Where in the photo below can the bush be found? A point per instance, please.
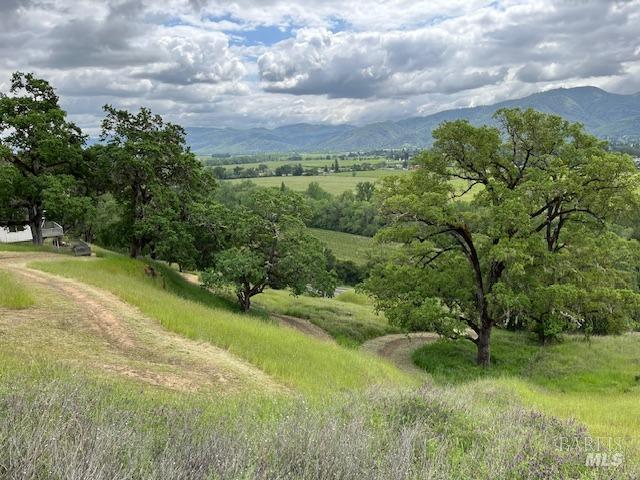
(65, 430)
(349, 273)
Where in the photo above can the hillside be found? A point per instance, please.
(107, 369)
(604, 114)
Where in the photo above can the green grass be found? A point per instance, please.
(350, 296)
(295, 360)
(596, 381)
(30, 247)
(13, 294)
(346, 246)
(334, 184)
(351, 323)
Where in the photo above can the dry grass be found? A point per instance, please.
(75, 430)
(294, 360)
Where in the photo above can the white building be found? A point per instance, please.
(16, 234)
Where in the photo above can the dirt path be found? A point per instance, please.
(304, 326)
(91, 328)
(301, 324)
(399, 347)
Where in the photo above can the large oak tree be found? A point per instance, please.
(500, 224)
(38, 148)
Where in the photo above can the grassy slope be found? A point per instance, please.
(475, 429)
(346, 246)
(303, 363)
(350, 320)
(13, 294)
(595, 382)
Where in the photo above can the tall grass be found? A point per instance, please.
(599, 365)
(350, 322)
(13, 294)
(346, 246)
(68, 430)
(305, 364)
(595, 381)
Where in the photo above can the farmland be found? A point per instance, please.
(332, 183)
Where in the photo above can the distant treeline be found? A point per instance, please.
(228, 159)
(295, 169)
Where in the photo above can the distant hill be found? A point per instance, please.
(604, 114)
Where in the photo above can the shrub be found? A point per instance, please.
(67, 430)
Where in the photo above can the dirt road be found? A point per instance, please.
(89, 328)
(398, 348)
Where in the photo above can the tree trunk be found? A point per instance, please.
(483, 344)
(134, 248)
(88, 235)
(245, 301)
(36, 214)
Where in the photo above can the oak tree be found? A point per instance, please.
(269, 246)
(496, 221)
(37, 146)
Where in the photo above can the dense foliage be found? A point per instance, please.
(269, 246)
(39, 150)
(533, 246)
(349, 212)
(143, 190)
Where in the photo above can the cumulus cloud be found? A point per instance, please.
(537, 43)
(212, 62)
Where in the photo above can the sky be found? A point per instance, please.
(249, 63)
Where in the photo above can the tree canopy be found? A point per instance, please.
(155, 178)
(506, 225)
(39, 149)
(269, 247)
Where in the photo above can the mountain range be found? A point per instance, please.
(604, 114)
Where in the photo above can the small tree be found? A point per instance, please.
(364, 191)
(474, 258)
(270, 247)
(37, 144)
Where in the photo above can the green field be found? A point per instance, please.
(346, 246)
(332, 183)
(595, 381)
